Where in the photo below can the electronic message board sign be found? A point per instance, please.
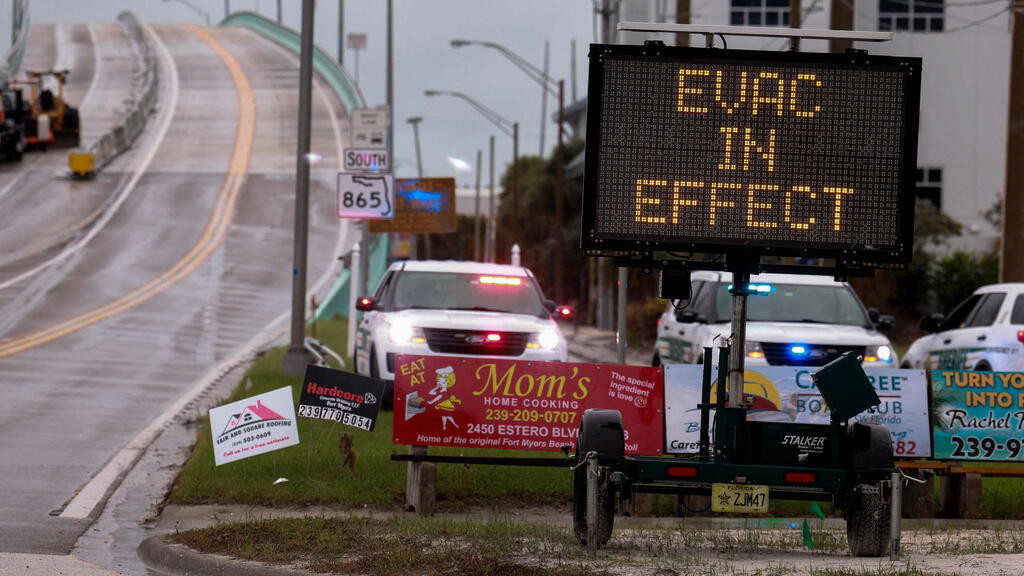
(728, 151)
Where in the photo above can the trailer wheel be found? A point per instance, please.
(601, 432)
(867, 522)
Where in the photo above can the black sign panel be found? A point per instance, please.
(700, 150)
(344, 397)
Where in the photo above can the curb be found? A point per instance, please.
(167, 557)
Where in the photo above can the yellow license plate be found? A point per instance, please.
(739, 498)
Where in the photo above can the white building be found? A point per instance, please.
(965, 47)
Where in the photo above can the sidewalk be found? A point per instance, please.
(591, 344)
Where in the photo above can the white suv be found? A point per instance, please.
(456, 308)
(985, 332)
(794, 320)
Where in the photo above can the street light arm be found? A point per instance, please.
(549, 85)
(497, 119)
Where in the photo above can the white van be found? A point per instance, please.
(794, 320)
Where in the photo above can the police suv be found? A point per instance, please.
(792, 320)
(985, 332)
(457, 309)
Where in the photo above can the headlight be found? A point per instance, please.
(548, 339)
(878, 354)
(753, 349)
(403, 332)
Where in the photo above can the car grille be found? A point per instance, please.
(777, 354)
(475, 342)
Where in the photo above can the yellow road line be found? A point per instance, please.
(213, 236)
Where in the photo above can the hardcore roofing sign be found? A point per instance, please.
(492, 403)
(253, 426)
(776, 153)
(340, 396)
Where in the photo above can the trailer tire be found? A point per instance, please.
(867, 522)
(600, 431)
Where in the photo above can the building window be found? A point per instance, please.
(760, 13)
(911, 15)
(929, 185)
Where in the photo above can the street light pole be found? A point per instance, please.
(492, 229)
(415, 121)
(297, 357)
(560, 198)
(476, 208)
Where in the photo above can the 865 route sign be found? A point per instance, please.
(368, 196)
(698, 150)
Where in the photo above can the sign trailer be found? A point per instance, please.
(715, 159)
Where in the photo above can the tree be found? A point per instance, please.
(536, 220)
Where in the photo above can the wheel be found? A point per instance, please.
(983, 367)
(601, 432)
(867, 522)
(656, 361)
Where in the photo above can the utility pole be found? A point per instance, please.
(227, 8)
(682, 17)
(795, 17)
(841, 18)
(279, 12)
(1011, 261)
(297, 357)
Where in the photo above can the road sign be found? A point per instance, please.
(356, 41)
(370, 127)
(367, 160)
(366, 196)
(728, 151)
(422, 206)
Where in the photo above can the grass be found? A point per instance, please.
(397, 546)
(499, 546)
(314, 467)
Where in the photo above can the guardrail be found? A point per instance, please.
(348, 93)
(325, 66)
(121, 137)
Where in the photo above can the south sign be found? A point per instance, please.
(700, 150)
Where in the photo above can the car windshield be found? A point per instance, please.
(483, 292)
(798, 303)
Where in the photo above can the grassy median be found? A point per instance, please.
(314, 472)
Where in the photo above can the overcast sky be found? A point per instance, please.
(423, 59)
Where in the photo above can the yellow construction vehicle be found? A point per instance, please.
(50, 120)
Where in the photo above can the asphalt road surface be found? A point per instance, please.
(118, 296)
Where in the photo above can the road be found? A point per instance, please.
(119, 296)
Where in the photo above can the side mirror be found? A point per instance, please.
(885, 322)
(550, 306)
(873, 315)
(690, 316)
(565, 312)
(365, 304)
(932, 322)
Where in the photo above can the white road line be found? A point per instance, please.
(167, 114)
(87, 499)
(107, 479)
